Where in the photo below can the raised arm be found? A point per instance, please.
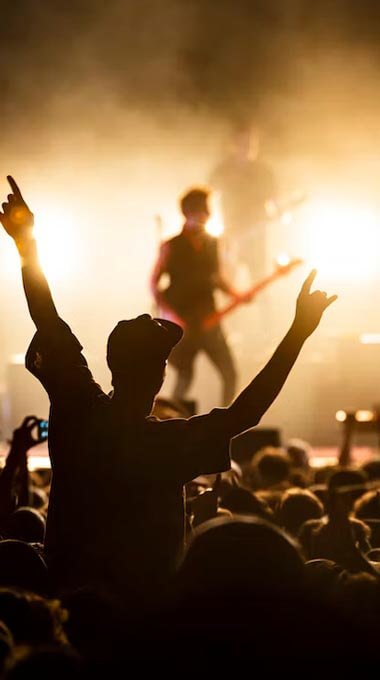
(18, 222)
(249, 407)
(14, 479)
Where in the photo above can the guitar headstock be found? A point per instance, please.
(283, 267)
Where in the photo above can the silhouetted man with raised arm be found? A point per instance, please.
(116, 508)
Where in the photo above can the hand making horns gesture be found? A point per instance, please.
(310, 306)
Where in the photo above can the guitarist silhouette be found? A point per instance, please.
(191, 260)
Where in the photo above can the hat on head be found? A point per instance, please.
(139, 339)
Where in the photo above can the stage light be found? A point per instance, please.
(370, 338)
(360, 416)
(18, 359)
(364, 416)
(286, 218)
(283, 259)
(56, 235)
(58, 242)
(215, 226)
(343, 240)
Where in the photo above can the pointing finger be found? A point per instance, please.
(309, 281)
(14, 187)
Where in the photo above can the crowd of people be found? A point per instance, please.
(145, 544)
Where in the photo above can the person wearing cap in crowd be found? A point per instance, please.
(116, 514)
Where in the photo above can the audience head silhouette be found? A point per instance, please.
(139, 348)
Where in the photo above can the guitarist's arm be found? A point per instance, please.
(159, 269)
(249, 407)
(224, 286)
(220, 282)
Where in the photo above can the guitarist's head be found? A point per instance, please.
(195, 208)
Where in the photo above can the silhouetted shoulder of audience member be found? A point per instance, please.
(298, 478)
(347, 477)
(323, 576)
(237, 574)
(358, 596)
(349, 482)
(296, 507)
(45, 663)
(323, 474)
(32, 619)
(269, 468)
(25, 524)
(244, 552)
(323, 585)
(368, 505)
(374, 525)
(318, 542)
(299, 453)
(372, 469)
(320, 491)
(6, 645)
(272, 497)
(244, 502)
(22, 567)
(374, 555)
(99, 626)
(38, 498)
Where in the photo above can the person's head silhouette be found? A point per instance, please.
(195, 208)
(137, 352)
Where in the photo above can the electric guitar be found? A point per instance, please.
(213, 319)
(280, 270)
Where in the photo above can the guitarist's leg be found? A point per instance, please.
(214, 344)
(182, 358)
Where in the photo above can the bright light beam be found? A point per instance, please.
(56, 235)
(343, 240)
(214, 226)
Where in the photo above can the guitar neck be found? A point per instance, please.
(214, 318)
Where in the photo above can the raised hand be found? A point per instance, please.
(310, 306)
(24, 437)
(16, 217)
